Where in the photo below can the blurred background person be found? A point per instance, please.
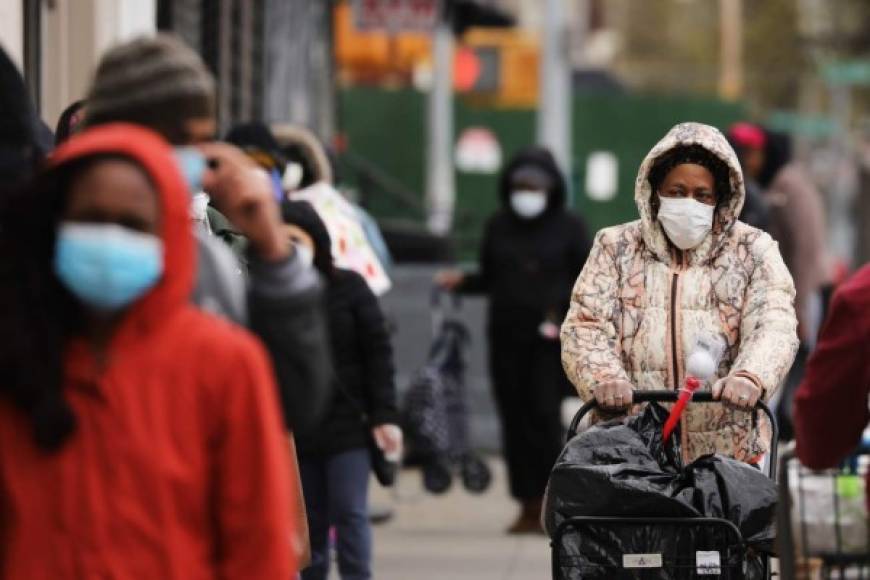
(20, 149)
(748, 142)
(256, 140)
(141, 437)
(357, 241)
(162, 84)
(335, 460)
(70, 121)
(798, 222)
(686, 270)
(307, 160)
(532, 250)
(830, 406)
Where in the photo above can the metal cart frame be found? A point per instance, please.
(838, 560)
(726, 526)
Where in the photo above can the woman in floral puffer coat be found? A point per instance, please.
(686, 270)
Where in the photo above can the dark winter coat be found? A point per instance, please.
(528, 266)
(362, 361)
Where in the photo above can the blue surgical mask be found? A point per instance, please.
(192, 165)
(277, 189)
(107, 266)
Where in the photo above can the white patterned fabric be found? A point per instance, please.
(734, 285)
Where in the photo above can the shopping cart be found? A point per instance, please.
(822, 519)
(656, 548)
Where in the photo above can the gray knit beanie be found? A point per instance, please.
(158, 82)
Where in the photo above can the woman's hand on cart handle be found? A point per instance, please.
(449, 279)
(614, 396)
(737, 393)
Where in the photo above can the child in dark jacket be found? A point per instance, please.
(334, 459)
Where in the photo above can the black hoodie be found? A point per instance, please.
(528, 266)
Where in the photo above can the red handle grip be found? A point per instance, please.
(692, 385)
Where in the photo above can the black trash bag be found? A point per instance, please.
(721, 487)
(621, 468)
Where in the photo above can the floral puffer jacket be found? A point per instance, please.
(639, 305)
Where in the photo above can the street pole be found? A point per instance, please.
(440, 186)
(554, 109)
(730, 49)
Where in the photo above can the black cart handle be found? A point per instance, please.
(641, 396)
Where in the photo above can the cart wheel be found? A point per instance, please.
(476, 475)
(437, 478)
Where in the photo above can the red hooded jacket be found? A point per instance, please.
(178, 468)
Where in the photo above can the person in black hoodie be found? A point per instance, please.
(334, 459)
(532, 251)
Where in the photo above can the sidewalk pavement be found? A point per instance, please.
(457, 536)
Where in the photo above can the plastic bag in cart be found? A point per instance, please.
(621, 468)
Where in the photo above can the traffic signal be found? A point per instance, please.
(498, 67)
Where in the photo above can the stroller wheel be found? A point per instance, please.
(437, 478)
(476, 475)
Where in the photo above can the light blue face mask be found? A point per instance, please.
(192, 164)
(107, 266)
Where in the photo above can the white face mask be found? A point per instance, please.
(686, 221)
(306, 254)
(529, 203)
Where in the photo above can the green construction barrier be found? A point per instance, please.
(386, 128)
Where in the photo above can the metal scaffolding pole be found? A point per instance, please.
(730, 49)
(554, 111)
(440, 185)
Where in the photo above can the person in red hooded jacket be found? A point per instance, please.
(139, 436)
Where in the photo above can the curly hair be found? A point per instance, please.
(37, 313)
(697, 155)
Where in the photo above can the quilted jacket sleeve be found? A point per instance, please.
(768, 326)
(590, 338)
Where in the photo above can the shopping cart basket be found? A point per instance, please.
(822, 519)
(656, 548)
